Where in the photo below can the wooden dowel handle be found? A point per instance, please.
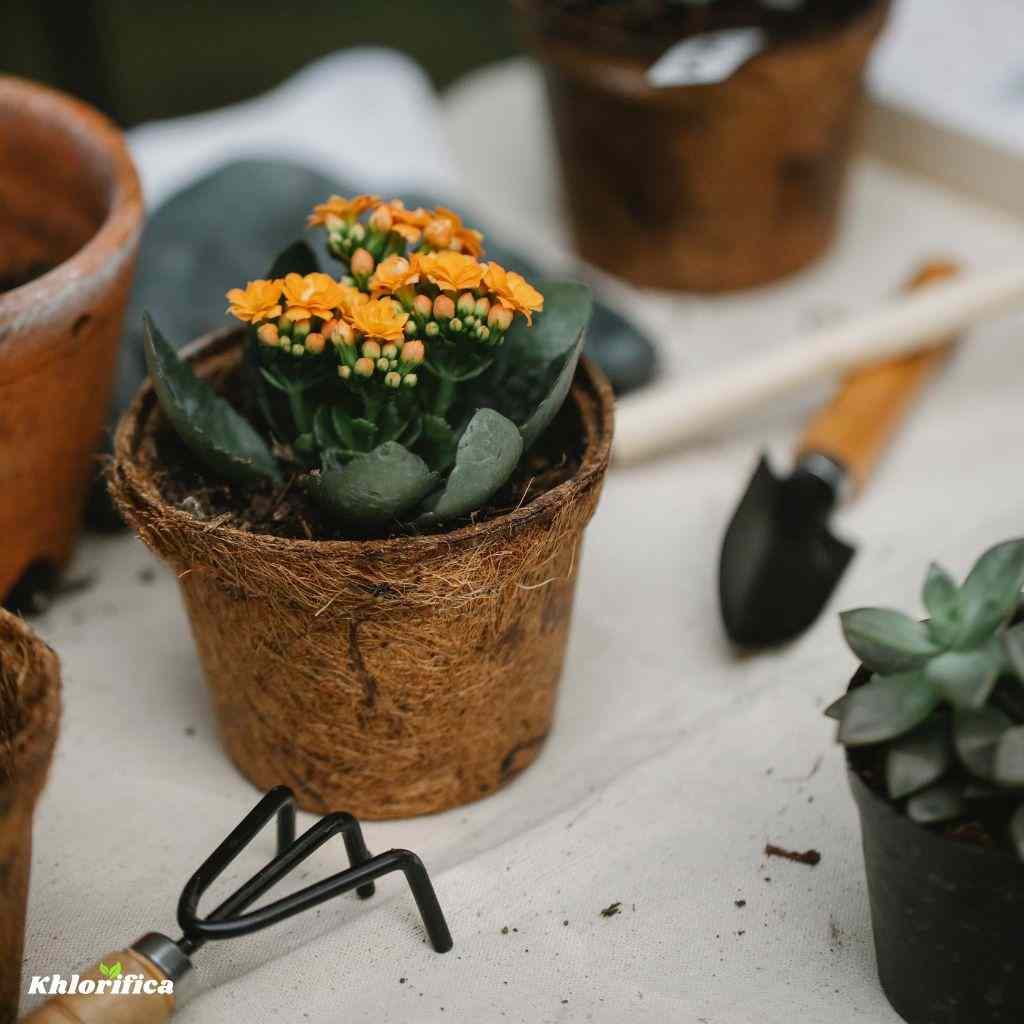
(107, 1007)
(872, 402)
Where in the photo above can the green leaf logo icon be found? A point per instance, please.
(105, 970)
(113, 972)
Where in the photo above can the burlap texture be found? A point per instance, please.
(387, 677)
(29, 719)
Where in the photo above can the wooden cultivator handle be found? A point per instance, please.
(109, 1007)
(855, 426)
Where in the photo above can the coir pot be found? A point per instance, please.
(384, 677)
(70, 217)
(709, 187)
(947, 917)
(29, 718)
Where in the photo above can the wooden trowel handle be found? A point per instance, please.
(109, 1007)
(871, 402)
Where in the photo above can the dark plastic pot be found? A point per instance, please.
(948, 919)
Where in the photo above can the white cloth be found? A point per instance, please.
(672, 762)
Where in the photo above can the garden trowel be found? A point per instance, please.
(780, 562)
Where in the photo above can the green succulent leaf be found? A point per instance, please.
(885, 708)
(1013, 647)
(966, 678)
(836, 708)
(1017, 831)
(487, 454)
(991, 592)
(438, 442)
(298, 258)
(943, 802)
(887, 641)
(941, 597)
(917, 760)
(976, 736)
(216, 434)
(1008, 767)
(375, 488)
(535, 365)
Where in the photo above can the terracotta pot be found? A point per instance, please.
(70, 201)
(29, 717)
(384, 677)
(707, 188)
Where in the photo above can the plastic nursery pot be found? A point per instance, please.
(383, 677)
(946, 915)
(704, 188)
(70, 217)
(29, 718)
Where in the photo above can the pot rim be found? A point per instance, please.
(134, 425)
(859, 786)
(93, 131)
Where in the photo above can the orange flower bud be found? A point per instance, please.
(483, 307)
(328, 327)
(268, 335)
(364, 367)
(315, 343)
(362, 263)
(343, 334)
(467, 303)
(410, 329)
(371, 350)
(410, 380)
(389, 351)
(444, 308)
(500, 317)
(284, 325)
(422, 305)
(381, 219)
(344, 372)
(392, 380)
(413, 353)
(432, 330)
(302, 328)
(383, 364)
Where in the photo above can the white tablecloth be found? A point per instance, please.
(672, 762)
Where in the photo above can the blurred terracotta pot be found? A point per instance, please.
(29, 717)
(706, 188)
(70, 217)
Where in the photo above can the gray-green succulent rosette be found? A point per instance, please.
(944, 705)
(405, 390)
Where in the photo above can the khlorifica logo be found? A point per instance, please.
(113, 980)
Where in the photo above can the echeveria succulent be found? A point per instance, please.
(945, 698)
(406, 389)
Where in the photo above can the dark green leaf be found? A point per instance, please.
(941, 597)
(976, 736)
(835, 709)
(885, 708)
(1009, 762)
(375, 488)
(943, 802)
(324, 434)
(438, 442)
(365, 434)
(887, 641)
(1013, 645)
(1017, 831)
(966, 678)
(991, 591)
(343, 427)
(487, 454)
(222, 439)
(917, 760)
(390, 423)
(298, 258)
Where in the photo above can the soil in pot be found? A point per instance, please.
(947, 902)
(384, 676)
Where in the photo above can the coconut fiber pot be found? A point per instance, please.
(710, 187)
(383, 677)
(947, 917)
(29, 716)
(70, 216)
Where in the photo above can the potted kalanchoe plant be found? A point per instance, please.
(374, 493)
(933, 724)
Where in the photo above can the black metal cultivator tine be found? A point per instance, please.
(229, 921)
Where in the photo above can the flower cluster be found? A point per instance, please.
(415, 292)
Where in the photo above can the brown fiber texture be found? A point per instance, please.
(386, 677)
(29, 719)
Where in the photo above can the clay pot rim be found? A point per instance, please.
(94, 131)
(136, 424)
(39, 702)
(862, 791)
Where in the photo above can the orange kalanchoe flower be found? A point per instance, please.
(259, 300)
(462, 239)
(394, 273)
(382, 319)
(451, 271)
(408, 223)
(513, 291)
(313, 295)
(351, 297)
(342, 208)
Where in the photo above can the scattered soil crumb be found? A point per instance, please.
(190, 730)
(566, 923)
(504, 931)
(147, 575)
(740, 903)
(401, 981)
(612, 909)
(809, 857)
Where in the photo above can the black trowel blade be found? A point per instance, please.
(779, 563)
